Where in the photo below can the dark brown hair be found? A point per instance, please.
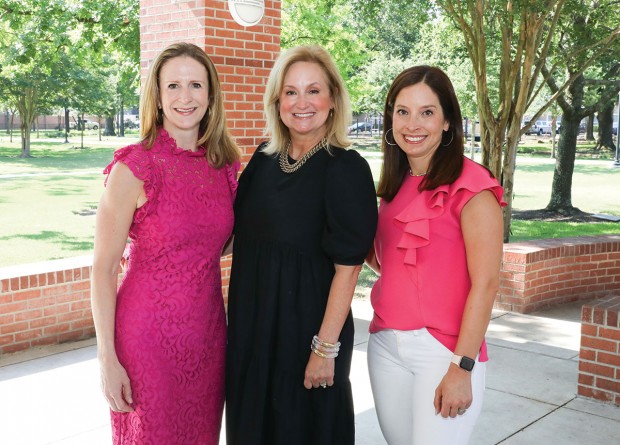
(447, 161)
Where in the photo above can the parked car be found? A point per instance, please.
(131, 124)
(360, 127)
(544, 126)
(539, 127)
(84, 124)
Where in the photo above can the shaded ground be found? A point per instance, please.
(553, 216)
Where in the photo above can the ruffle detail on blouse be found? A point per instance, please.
(414, 219)
(231, 175)
(135, 157)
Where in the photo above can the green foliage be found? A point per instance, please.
(372, 42)
(62, 53)
(326, 23)
(392, 27)
(373, 82)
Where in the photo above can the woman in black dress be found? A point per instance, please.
(305, 216)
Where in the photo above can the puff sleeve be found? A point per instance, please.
(351, 209)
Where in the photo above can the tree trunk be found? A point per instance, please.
(82, 128)
(554, 132)
(122, 121)
(25, 133)
(590, 128)
(561, 188)
(506, 179)
(605, 128)
(26, 105)
(109, 126)
(66, 124)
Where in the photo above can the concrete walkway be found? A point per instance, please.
(51, 396)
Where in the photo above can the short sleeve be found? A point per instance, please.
(136, 158)
(474, 180)
(351, 209)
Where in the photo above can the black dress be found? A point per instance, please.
(290, 230)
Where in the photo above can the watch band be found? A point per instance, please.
(463, 362)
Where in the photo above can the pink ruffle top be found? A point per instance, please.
(424, 280)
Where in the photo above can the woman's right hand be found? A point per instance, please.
(116, 387)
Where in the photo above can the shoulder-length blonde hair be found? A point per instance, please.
(213, 132)
(338, 119)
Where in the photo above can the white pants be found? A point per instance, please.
(405, 369)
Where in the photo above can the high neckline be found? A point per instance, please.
(175, 149)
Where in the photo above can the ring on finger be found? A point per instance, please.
(323, 385)
(461, 411)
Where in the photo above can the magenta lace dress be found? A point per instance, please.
(170, 319)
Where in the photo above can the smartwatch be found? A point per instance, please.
(463, 362)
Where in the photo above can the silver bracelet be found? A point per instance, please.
(324, 349)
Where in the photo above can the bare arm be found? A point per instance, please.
(122, 195)
(318, 369)
(372, 262)
(482, 227)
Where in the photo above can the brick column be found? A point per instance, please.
(243, 57)
(599, 355)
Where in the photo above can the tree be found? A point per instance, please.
(516, 37)
(37, 37)
(392, 27)
(605, 117)
(374, 79)
(441, 44)
(587, 39)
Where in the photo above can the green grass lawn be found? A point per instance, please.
(47, 202)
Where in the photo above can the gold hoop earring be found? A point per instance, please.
(386, 138)
(451, 139)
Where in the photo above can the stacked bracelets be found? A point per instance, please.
(324, 349)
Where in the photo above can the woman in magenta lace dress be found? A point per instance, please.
(162, 335)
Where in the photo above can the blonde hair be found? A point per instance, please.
(213, 132)
(338, 119)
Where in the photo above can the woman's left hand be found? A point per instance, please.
(319, 372)
(453, 393)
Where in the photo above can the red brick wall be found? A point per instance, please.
(542, 273)
(45, 304)
(243, 57)
(40, 306)
(599, 356)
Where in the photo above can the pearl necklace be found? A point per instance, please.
(292, 168)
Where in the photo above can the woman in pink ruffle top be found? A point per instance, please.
(438, 251)
(161, 337)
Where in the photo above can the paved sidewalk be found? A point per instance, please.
(54, 399)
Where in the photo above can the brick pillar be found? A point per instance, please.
(243, 57)
(599, 355)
